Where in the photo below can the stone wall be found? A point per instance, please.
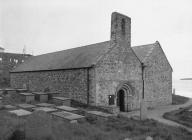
(8, 61)
(71, 83)
(158, 79)
(118, 66)
(92, 87)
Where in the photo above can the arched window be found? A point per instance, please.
(123, 27)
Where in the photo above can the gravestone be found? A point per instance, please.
(45, 109)
(45, 105)
(68, 116)
(10, 107)
(26, 106)
(68, 108)
(149, 138)
(62, 101)
(19, 90)
(10, 90)
(20, 112)
(41, 96)
(52, 94)
(38, 126)
(27, 97)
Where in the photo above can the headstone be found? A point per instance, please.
(45, 105)
(149, 138)
(67, 108)
(20, 112)
(27, 97)
(45, 109)
(52, 94)
(68, 116)
(143, 110)
(10, 90)
(41, 96)
(62, 101)
(127, 139)
(21, 90)
(26, 106)
(38, 126)
(9, 107)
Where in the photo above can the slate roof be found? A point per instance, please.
(80, 57)
(143, 51)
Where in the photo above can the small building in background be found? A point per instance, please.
(8, 61)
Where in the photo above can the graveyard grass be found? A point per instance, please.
(118, 128)
(113, 129)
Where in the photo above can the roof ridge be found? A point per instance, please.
(74, 48)
(145, 45)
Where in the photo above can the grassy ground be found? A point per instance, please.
(12, 128)
(177, 99)
(113, 129)
(182, 116)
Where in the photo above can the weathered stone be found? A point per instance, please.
(62, 101)
(27, 97)
(45, 105)
(70, 83)
(21, 90)
(53, 94)
(9, 107)
(68, 116)
(41, 96)
(45, 109)
(20, 112)
(127, 139)
(26, 106)
(67, 108)
(149, 138)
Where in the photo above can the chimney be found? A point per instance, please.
(120, 28)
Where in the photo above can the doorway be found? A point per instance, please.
(121, 100)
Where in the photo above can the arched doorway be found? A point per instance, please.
(121, 100)
(125, 97)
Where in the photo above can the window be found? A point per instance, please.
(123, 27)
(111, 99)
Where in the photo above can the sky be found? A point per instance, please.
(45, 26)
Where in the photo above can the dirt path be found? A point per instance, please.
(157, 114)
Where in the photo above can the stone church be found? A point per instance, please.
(107, 74)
